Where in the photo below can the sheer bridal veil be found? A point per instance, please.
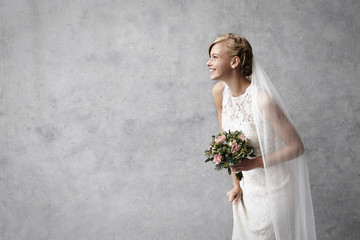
(284, 162)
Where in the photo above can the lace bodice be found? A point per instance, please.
(237, 109)
(238, 114)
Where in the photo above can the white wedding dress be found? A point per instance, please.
(251, 216)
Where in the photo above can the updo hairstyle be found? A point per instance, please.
(237, 45)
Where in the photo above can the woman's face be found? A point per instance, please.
(219, 62)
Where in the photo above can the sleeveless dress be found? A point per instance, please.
(251, 215)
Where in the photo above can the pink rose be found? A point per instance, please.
(220, 139)
(217, 159)
(243, 138)
(234, 147)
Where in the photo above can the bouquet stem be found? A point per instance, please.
(239, 175)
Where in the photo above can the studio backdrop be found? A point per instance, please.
(106, 110)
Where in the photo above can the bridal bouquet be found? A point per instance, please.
(228, 149)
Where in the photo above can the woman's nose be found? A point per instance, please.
(208, 62)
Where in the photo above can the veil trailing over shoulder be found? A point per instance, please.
(284, 162)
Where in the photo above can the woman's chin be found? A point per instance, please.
(214, 78)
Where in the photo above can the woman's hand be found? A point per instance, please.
(234, 194)
(248, 164)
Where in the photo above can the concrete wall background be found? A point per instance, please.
(106, 109)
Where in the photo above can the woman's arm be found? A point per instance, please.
(236, 192)
(217, 95)
(294, 146)
(217, 92)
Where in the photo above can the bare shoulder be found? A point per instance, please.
(217, 95)
(218, 89)
(264, 99)
(266, 103)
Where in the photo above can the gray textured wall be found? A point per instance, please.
(106, 109)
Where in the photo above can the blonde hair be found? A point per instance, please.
(237, 45)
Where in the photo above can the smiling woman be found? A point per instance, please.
(222, 50)
(219, 63)
(275, 191)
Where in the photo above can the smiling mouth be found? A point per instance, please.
(212, 70)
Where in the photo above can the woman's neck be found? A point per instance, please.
(237, 84)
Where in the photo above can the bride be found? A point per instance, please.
(273, 201)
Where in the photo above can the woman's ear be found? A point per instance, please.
(235, 62)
